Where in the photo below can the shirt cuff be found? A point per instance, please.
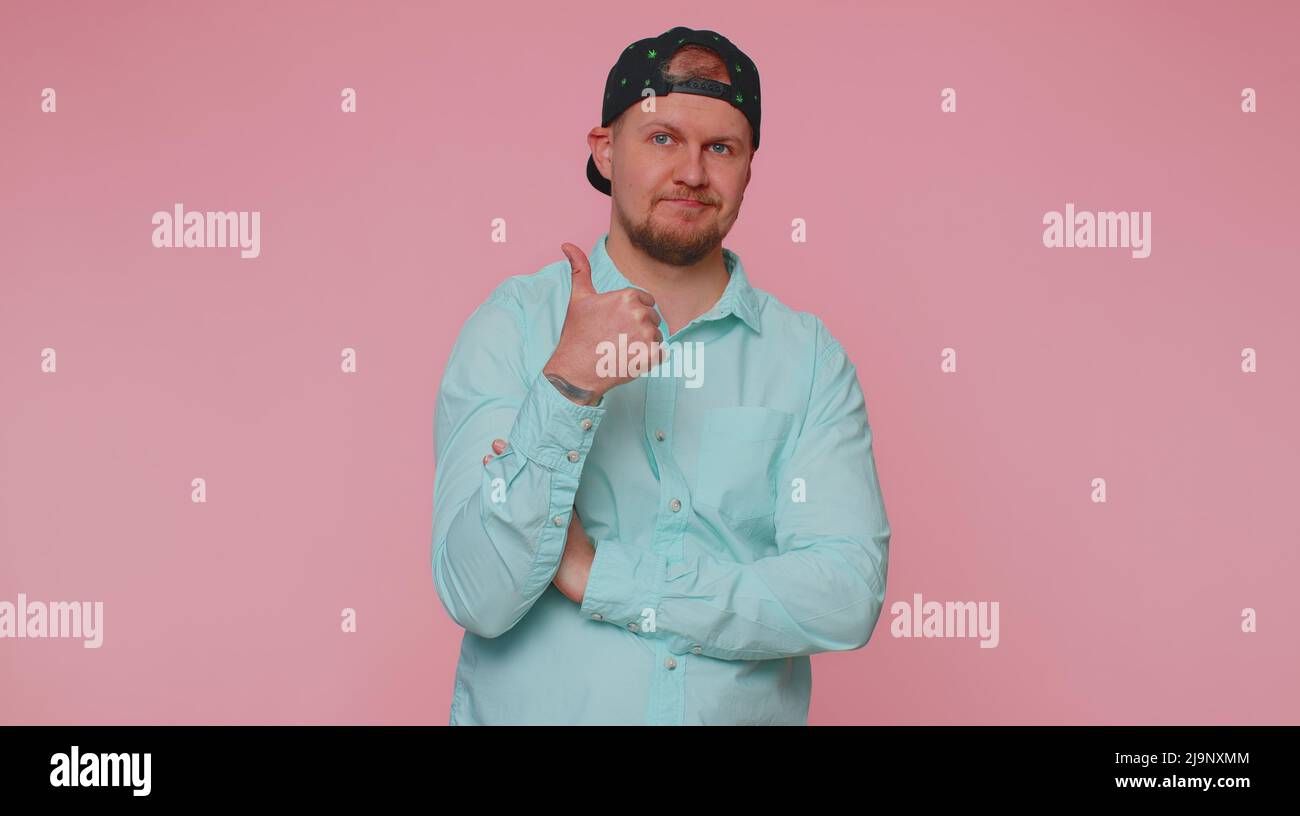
(554, 431)
(625, 586)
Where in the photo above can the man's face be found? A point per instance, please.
(691, 147)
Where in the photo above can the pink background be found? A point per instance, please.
(924, 232)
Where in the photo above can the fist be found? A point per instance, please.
(592, 327)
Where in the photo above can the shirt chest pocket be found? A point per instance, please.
(740, 456)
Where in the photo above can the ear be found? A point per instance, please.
(601, 142)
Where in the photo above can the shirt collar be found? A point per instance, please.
(739, 298)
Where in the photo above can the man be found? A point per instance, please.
(665, 537)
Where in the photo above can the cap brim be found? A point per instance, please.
(597, 180)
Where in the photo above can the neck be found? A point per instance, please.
(682, 293)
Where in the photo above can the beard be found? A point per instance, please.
(683, 243)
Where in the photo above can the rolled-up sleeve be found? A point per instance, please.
(499, 529)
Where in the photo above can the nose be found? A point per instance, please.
(690, 170)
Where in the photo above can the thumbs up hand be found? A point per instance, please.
(593, 319)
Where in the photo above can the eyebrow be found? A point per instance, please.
(663, 125)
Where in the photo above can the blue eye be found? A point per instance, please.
(717, 144)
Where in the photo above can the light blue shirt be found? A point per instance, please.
(735, 510)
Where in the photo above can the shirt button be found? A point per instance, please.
(559, 521)
(573, 456)
(597, 616)
(697, 650)
(671, 663)
(659, 435)
(632, 627)
(586, 424)
(675, 504)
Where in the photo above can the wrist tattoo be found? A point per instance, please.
(570, 390)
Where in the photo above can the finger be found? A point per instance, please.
(581, 267)
(498, 446)
(650, 320)
(645, 297)
(487, 458)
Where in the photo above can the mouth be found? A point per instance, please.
(689, 203)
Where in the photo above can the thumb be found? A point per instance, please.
(582, 284)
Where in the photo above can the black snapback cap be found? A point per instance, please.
(638, 68)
